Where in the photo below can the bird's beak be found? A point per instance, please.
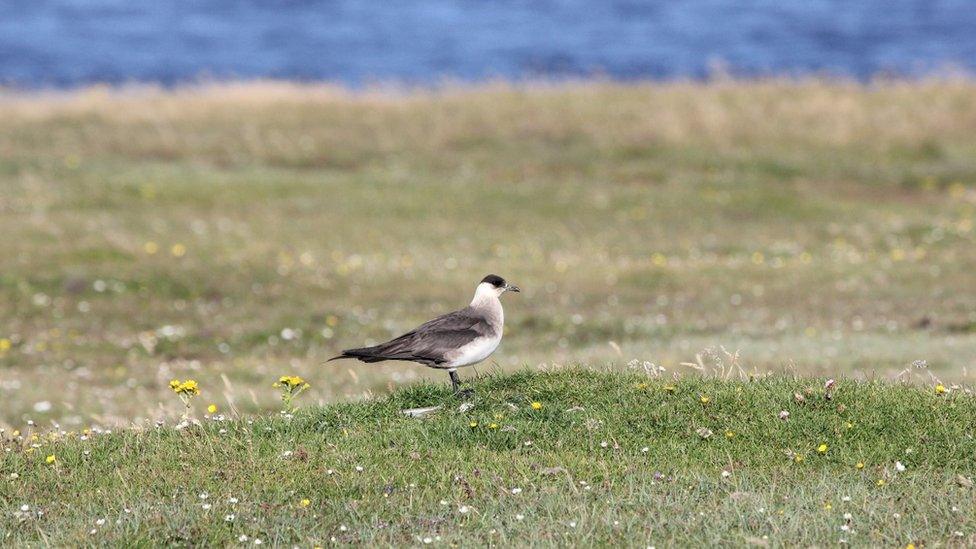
(512, 288)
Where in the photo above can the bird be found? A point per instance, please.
(461, 338)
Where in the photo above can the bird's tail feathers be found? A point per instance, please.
(365, 354)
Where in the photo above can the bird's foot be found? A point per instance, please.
(465, 394)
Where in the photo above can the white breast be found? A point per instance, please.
(475, 352)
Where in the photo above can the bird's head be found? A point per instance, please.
(495, 286)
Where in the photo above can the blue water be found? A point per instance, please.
(63, 43)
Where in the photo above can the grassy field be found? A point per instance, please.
(562, 458)
(236, 233)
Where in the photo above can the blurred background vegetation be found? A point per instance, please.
(234, 233)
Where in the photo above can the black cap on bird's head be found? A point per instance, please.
(499, 283)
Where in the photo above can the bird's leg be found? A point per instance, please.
(456, 385)
(455, 382)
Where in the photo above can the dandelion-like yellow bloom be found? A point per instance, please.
(473, 424)
(492, 425)
(940, 389)
(50, 459)
(536, 405)
(212, 409)
(822, 449)
(798, 458)
(729, 434)
(305, 502)
(640, 386)
(188, 387)
(860, 465)
(292, 382)
(880, 482)
(178, 250)
(5, 345)
(150, 248)
(828, 506)
(704, 399)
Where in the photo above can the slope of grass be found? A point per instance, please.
(604, 458)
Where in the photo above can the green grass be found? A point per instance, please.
(610, 458)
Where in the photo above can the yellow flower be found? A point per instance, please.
(292, 381)
(798, 458)
(910, 546)
(729, 434)
(212, 409)
(704, 399)
(150, 247)
(473, 424)
(860, 465)
(849, 425)
(188, 387)
(178, 250)
(5, 345)
(50, 459)
(940, 389)
(670, 388)
(536, 405)
(640, 386)
(880, 482)
(305, 502)
(828, 506)
(499, 416)
(822, 449)
(492, 425)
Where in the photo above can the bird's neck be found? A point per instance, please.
(490, 305)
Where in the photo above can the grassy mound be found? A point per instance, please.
(602, 458)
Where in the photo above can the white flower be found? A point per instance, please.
(25, 507)
(519, 516)
(359, 468)
(229, 518)
(231, 500)
(846, 499)
(242, 537)
(845, 528)
(206, 506)
(784, 415)
(603, 444)
(463, 509)
(848, 516)
(516, 490)
(645, 450)
(343, 528)
(899, 467)
(100, 522)
(443, 502)
(204, 495)
(726, 474)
